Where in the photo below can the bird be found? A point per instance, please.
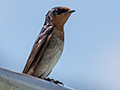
(49, 44)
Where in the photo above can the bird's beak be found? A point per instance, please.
(70, 11)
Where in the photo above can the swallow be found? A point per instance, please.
(49, 44)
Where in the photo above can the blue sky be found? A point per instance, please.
(91, 56)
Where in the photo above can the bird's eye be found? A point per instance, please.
(59, 11)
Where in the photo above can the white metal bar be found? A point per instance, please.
(10, 80)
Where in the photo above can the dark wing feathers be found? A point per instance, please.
(39, 48)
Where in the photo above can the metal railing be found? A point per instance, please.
(10, 80)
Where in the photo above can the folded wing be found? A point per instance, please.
(38, 49)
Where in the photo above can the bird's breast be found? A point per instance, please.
(54, 49)
(50, 57)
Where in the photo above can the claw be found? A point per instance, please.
(58, 82)
(52, 80)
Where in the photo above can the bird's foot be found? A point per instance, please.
(54, 81)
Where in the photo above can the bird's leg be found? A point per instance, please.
(52, 80)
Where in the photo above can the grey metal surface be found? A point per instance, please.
(10, 80)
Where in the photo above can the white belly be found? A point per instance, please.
(50, 57)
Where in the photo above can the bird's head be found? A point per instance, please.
(57, 16)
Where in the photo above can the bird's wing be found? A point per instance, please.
(39, 48)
